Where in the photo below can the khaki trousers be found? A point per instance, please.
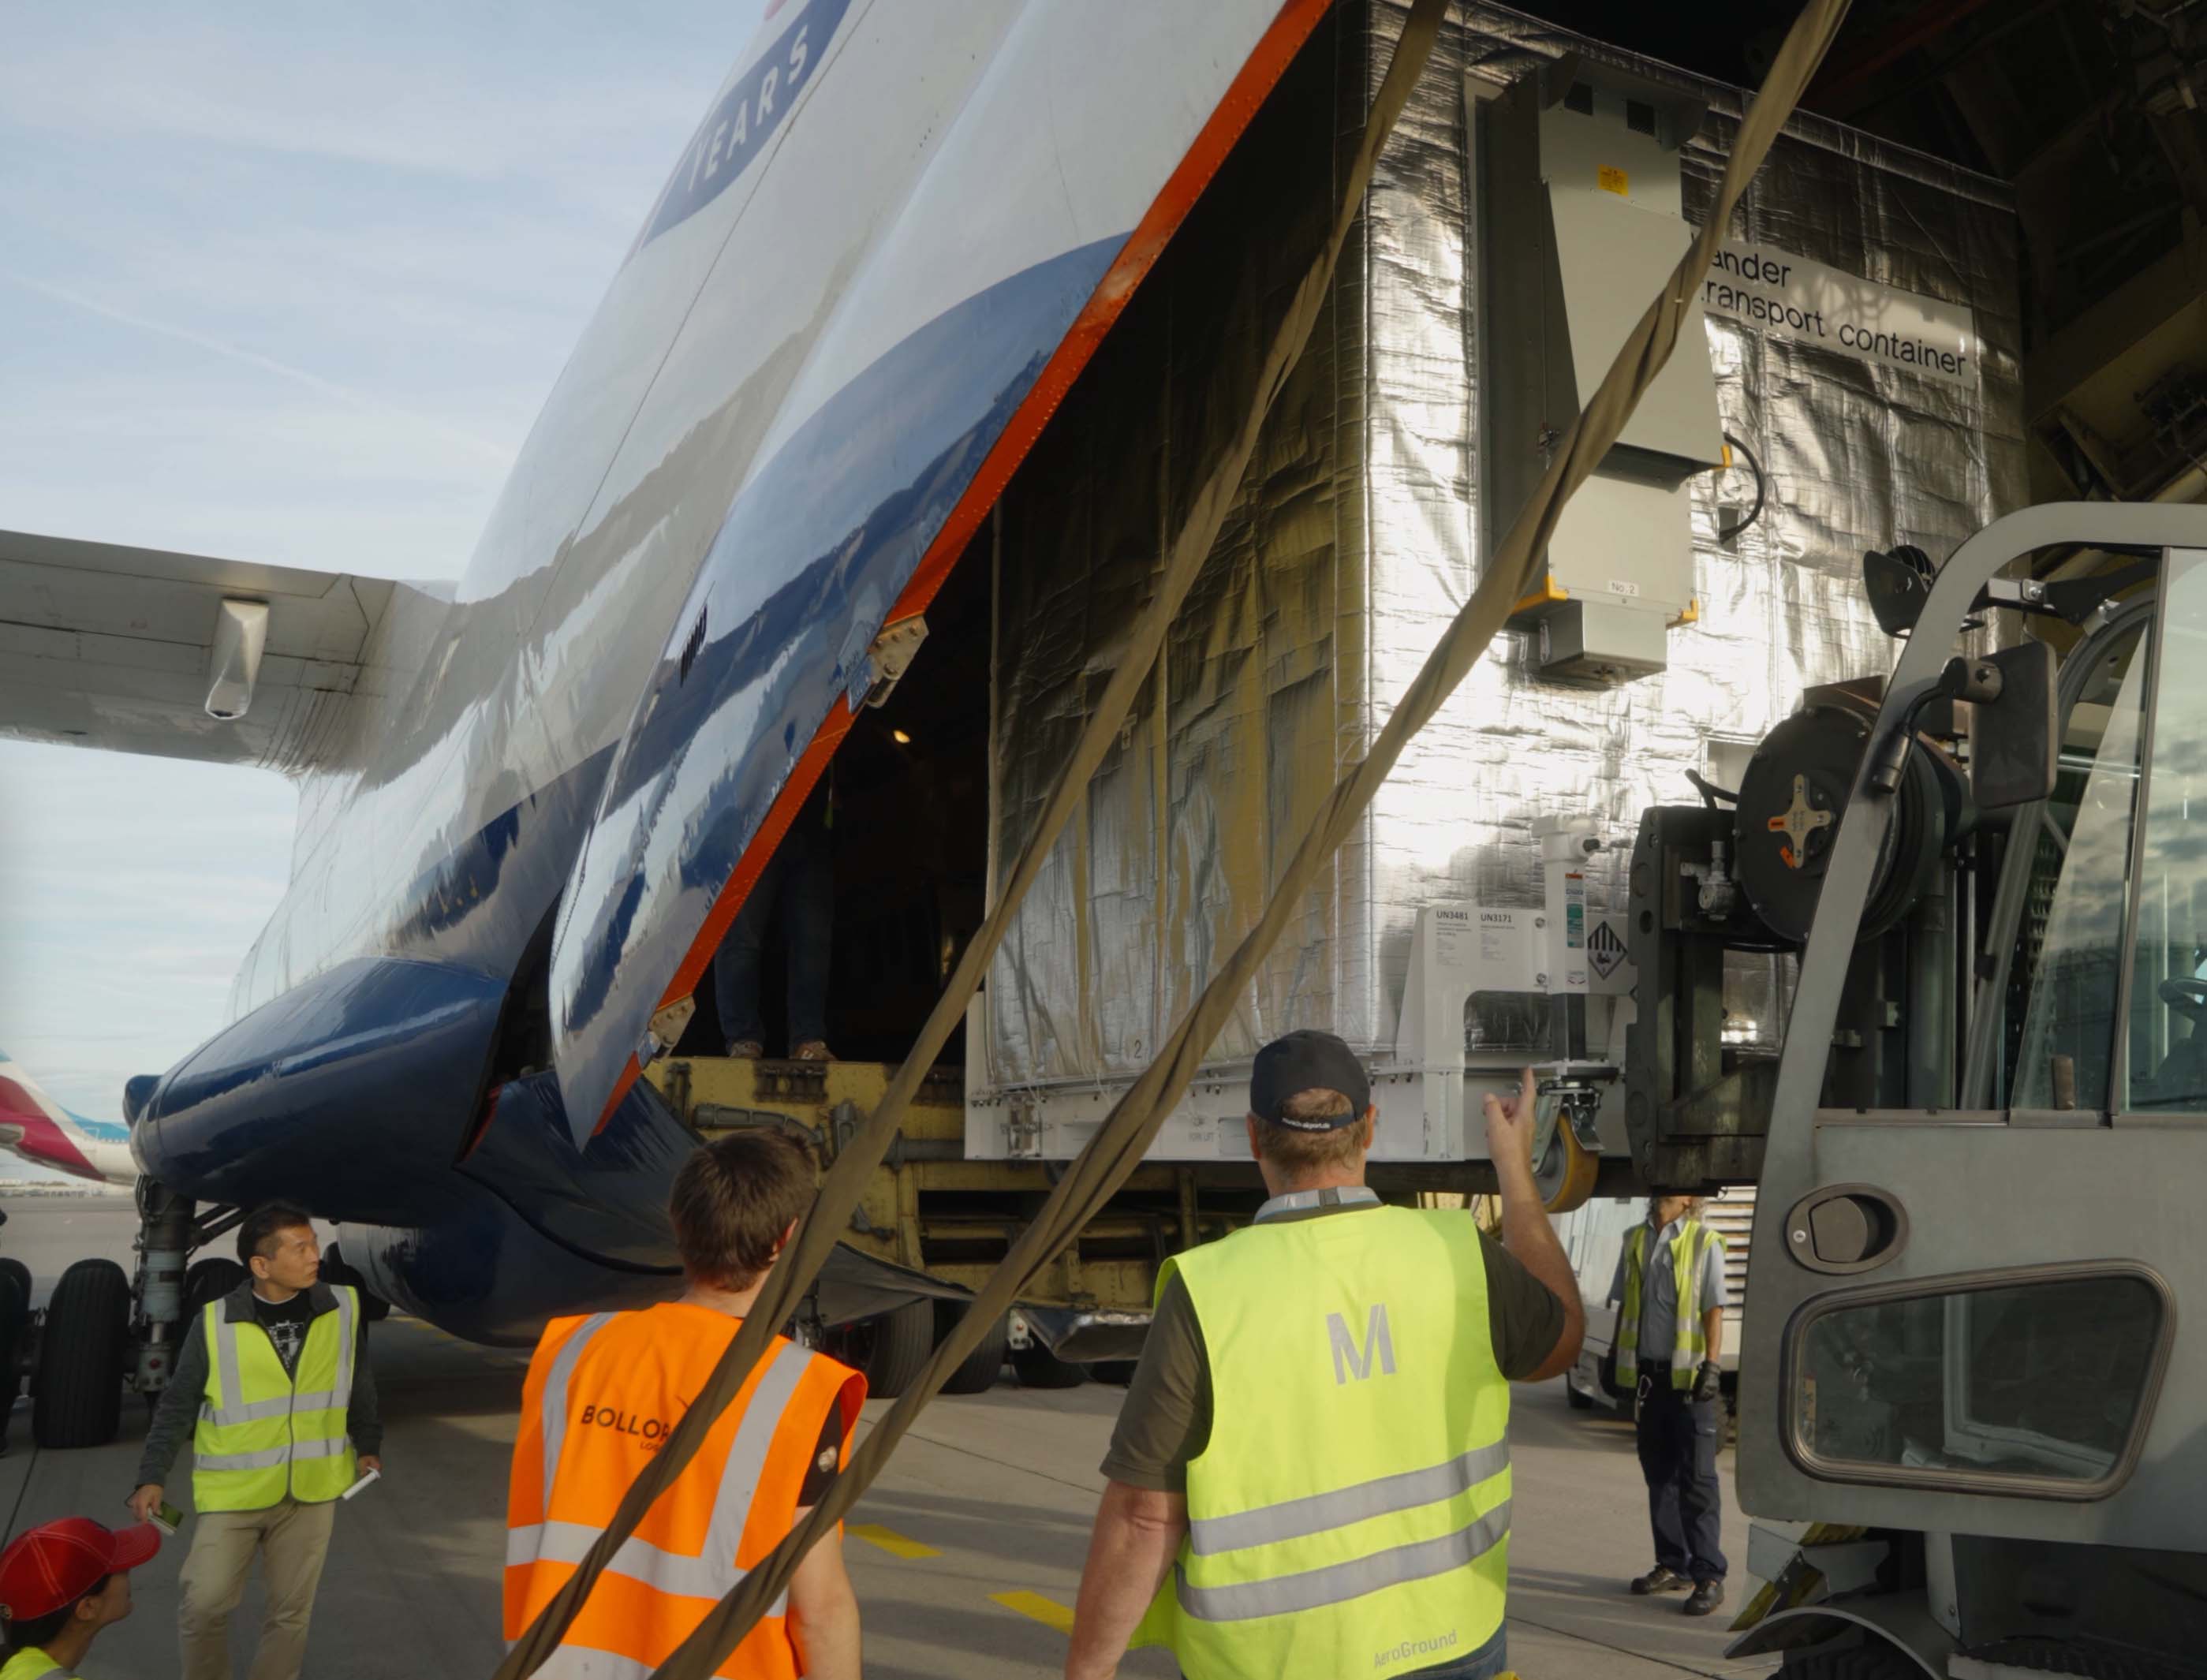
(293, 1540)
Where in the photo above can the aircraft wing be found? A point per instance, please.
(180, 655)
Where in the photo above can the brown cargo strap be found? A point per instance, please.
(1118, 1148)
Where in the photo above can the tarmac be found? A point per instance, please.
(966, 1554)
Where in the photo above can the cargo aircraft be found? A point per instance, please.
(531, 802)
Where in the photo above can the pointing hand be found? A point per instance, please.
(1509, 1126)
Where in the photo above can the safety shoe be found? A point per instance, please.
(1706, 1597)
(1660, 1578)
(745, 1050)
(812, 1049)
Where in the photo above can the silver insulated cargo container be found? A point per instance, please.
(1860, 346)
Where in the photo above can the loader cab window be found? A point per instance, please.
(2072, 931)
(2006, 1384)
(2166, 1063)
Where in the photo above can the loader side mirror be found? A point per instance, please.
(1898, 582)
(2016, 742)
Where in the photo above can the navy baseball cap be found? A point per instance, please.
(1307, 1060)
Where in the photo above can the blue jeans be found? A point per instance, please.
(1484, 1664)
(800, 883)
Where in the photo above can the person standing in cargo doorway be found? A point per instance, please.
(798, 887)
(1670, 1348)
(1311, 1473)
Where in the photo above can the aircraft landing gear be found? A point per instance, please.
(76, 1395)
(14, 1333)
(105, 1331)
(166, 1237)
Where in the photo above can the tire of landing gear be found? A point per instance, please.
(209, 1280)
(978, 1373)
(77, 1398)
(1037, 1367)
(15, 1319)
(891, 1349)
(1565, 1172)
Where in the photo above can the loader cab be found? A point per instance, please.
(1969, 1330)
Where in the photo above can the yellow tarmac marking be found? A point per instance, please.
(1049, 1611)
(891, 1541)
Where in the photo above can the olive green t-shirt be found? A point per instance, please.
(1166, 1420)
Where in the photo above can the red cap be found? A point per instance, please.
(50, 1567)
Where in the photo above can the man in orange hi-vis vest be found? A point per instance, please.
(603, 1394)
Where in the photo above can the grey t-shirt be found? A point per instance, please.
(1658, 1290)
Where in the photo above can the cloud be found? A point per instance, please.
(452, 94)
(501, 454)
(128, 893)
(290, 285)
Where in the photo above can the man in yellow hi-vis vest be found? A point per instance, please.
(273, 1383)
(1311, 1474)
(1670, 1345)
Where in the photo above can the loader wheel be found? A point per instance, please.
(77, 1398)
(890, 1349)
(1039, 1368)
(1565, 1172)
(978, 1371)
(1873, 1659)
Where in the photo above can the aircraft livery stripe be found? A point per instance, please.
(1137, 254)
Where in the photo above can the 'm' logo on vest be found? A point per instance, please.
(1348, 1359)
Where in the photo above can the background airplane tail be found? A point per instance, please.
(36, 1128)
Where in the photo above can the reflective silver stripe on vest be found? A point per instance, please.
(639, 1560)
(225, 1352)
(581, 1662)
(1308, 1590)
(740, 1478)
(334, 1446)
(554, 1406)
(266, 1459)
(711, 1573)
(1293, 1518)
(348, 1347)
(257, 1412)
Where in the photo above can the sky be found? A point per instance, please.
(286, 284)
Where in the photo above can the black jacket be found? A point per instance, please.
(178, 1412)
